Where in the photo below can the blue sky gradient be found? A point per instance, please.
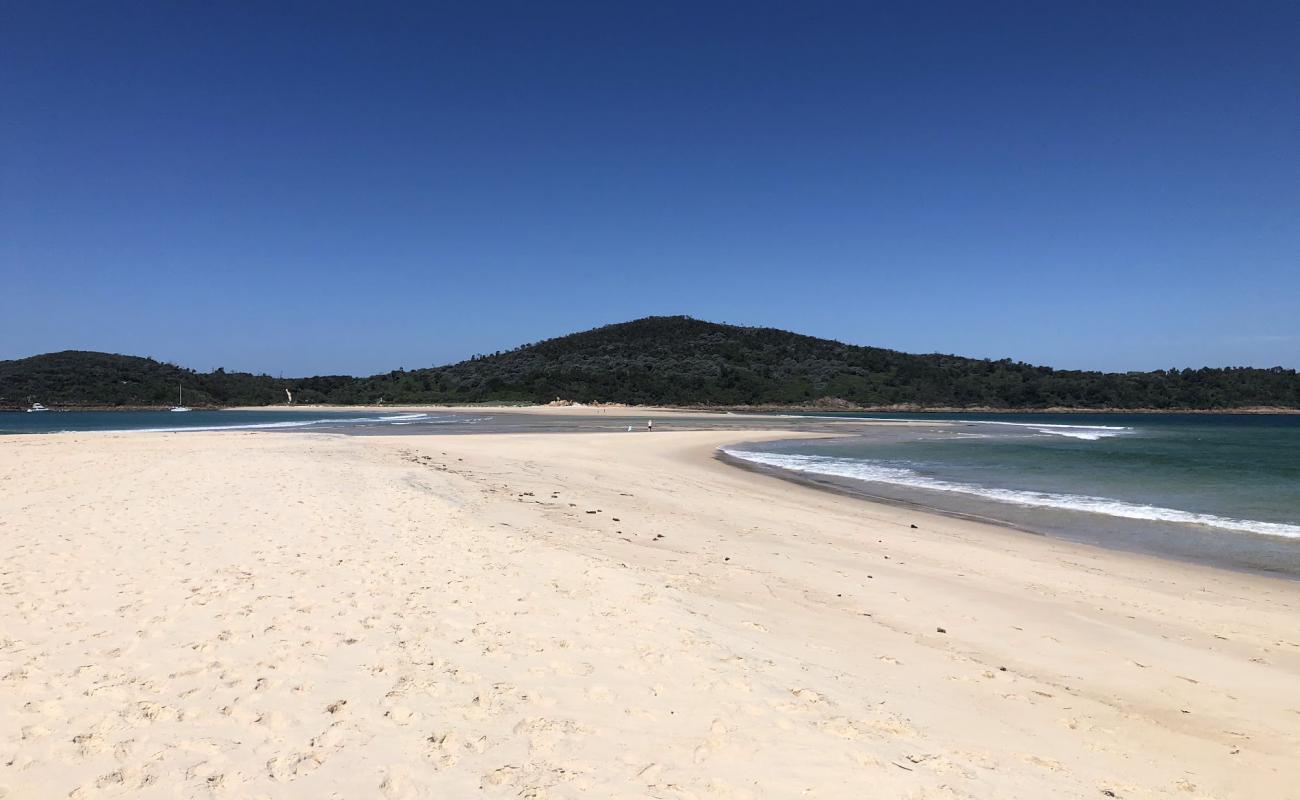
(305, 188)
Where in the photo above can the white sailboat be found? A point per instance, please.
(180, 399)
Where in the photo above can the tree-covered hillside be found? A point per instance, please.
(683, 361)
(665, 361)
(75, 377)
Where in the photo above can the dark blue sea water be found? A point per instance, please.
(1224, 488)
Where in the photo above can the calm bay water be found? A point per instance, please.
(1218, 488)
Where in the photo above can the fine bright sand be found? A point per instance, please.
(254, 615)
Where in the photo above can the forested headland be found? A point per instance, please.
(671, 361)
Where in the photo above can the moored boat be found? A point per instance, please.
(180, 399)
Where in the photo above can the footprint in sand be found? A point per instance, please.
(502, 776)
(545, 734)
(445, 751)
(808, 696)
(400, 715)
(293, 765)
(396, 785)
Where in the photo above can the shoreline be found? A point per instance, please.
(746, 410)
(1248, 552)
(935, 515)
(849, 488)
(825, 484)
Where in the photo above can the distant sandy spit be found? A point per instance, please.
(640, 412)
(772, 411)
(261, 615)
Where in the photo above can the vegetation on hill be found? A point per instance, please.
(665, 361)
(80, 378)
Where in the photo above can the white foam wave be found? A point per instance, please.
(270, 425)
(240, 427)
(902, 476)
(1051, 425)
(1086, 432)
(1090, 433)
(1087, 436)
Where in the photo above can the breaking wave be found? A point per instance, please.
(902, 476)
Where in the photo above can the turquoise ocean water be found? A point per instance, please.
(1217, 488)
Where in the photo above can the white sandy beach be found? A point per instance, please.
(257, 615)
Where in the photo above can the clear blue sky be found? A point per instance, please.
(310, 187)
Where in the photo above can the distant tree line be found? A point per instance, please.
(663, 361)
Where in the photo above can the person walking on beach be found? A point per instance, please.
(650, 425)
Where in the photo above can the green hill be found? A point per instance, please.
(80, 378)
(666, 361)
